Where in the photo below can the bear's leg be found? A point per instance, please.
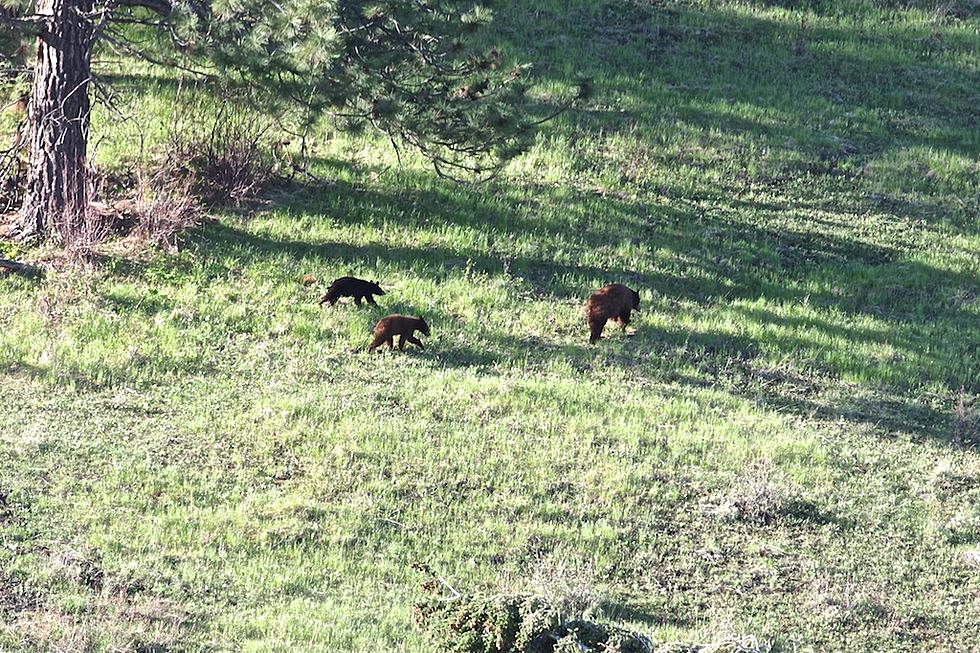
(357, 299)
(401, 342)
(376, 343)
(416, 341)
(624, 319)
(370, 300)
(391, 342)
(595, 328)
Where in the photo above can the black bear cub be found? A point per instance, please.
(398, 325)
(612, 302)
(350, 287)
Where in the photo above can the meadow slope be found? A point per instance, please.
(195, 456)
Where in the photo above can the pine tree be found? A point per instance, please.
(411, 68)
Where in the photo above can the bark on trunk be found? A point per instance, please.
(56, 197)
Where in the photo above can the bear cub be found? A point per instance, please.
(613, 302)
(398, 325)
(351, 287)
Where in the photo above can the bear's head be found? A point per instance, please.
(423, 327)
(636, 300)
(376, 289)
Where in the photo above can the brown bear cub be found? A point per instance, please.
(398, 325)
(614, 302)
(350, 287)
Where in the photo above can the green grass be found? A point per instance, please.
(195, 456)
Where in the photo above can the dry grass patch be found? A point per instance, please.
(759, 495)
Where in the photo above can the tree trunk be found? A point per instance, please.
(56, 197)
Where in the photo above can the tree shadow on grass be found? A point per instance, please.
(733, 363)
(731, 80)
(723, 258)
(732, 259)
(837, 94)
(726, 263)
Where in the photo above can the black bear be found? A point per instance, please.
(350, 287)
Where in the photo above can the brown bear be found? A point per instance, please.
(351, 287)
(614, 302)
(398, 325)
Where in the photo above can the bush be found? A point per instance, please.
(568, 583)
(165, 207)
(224, 157)
(513, 624)
(758, 495)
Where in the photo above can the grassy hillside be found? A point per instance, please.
(195, 456)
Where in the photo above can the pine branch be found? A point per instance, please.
(33, 24)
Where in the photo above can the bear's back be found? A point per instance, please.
(396, 324)
(609, 301)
